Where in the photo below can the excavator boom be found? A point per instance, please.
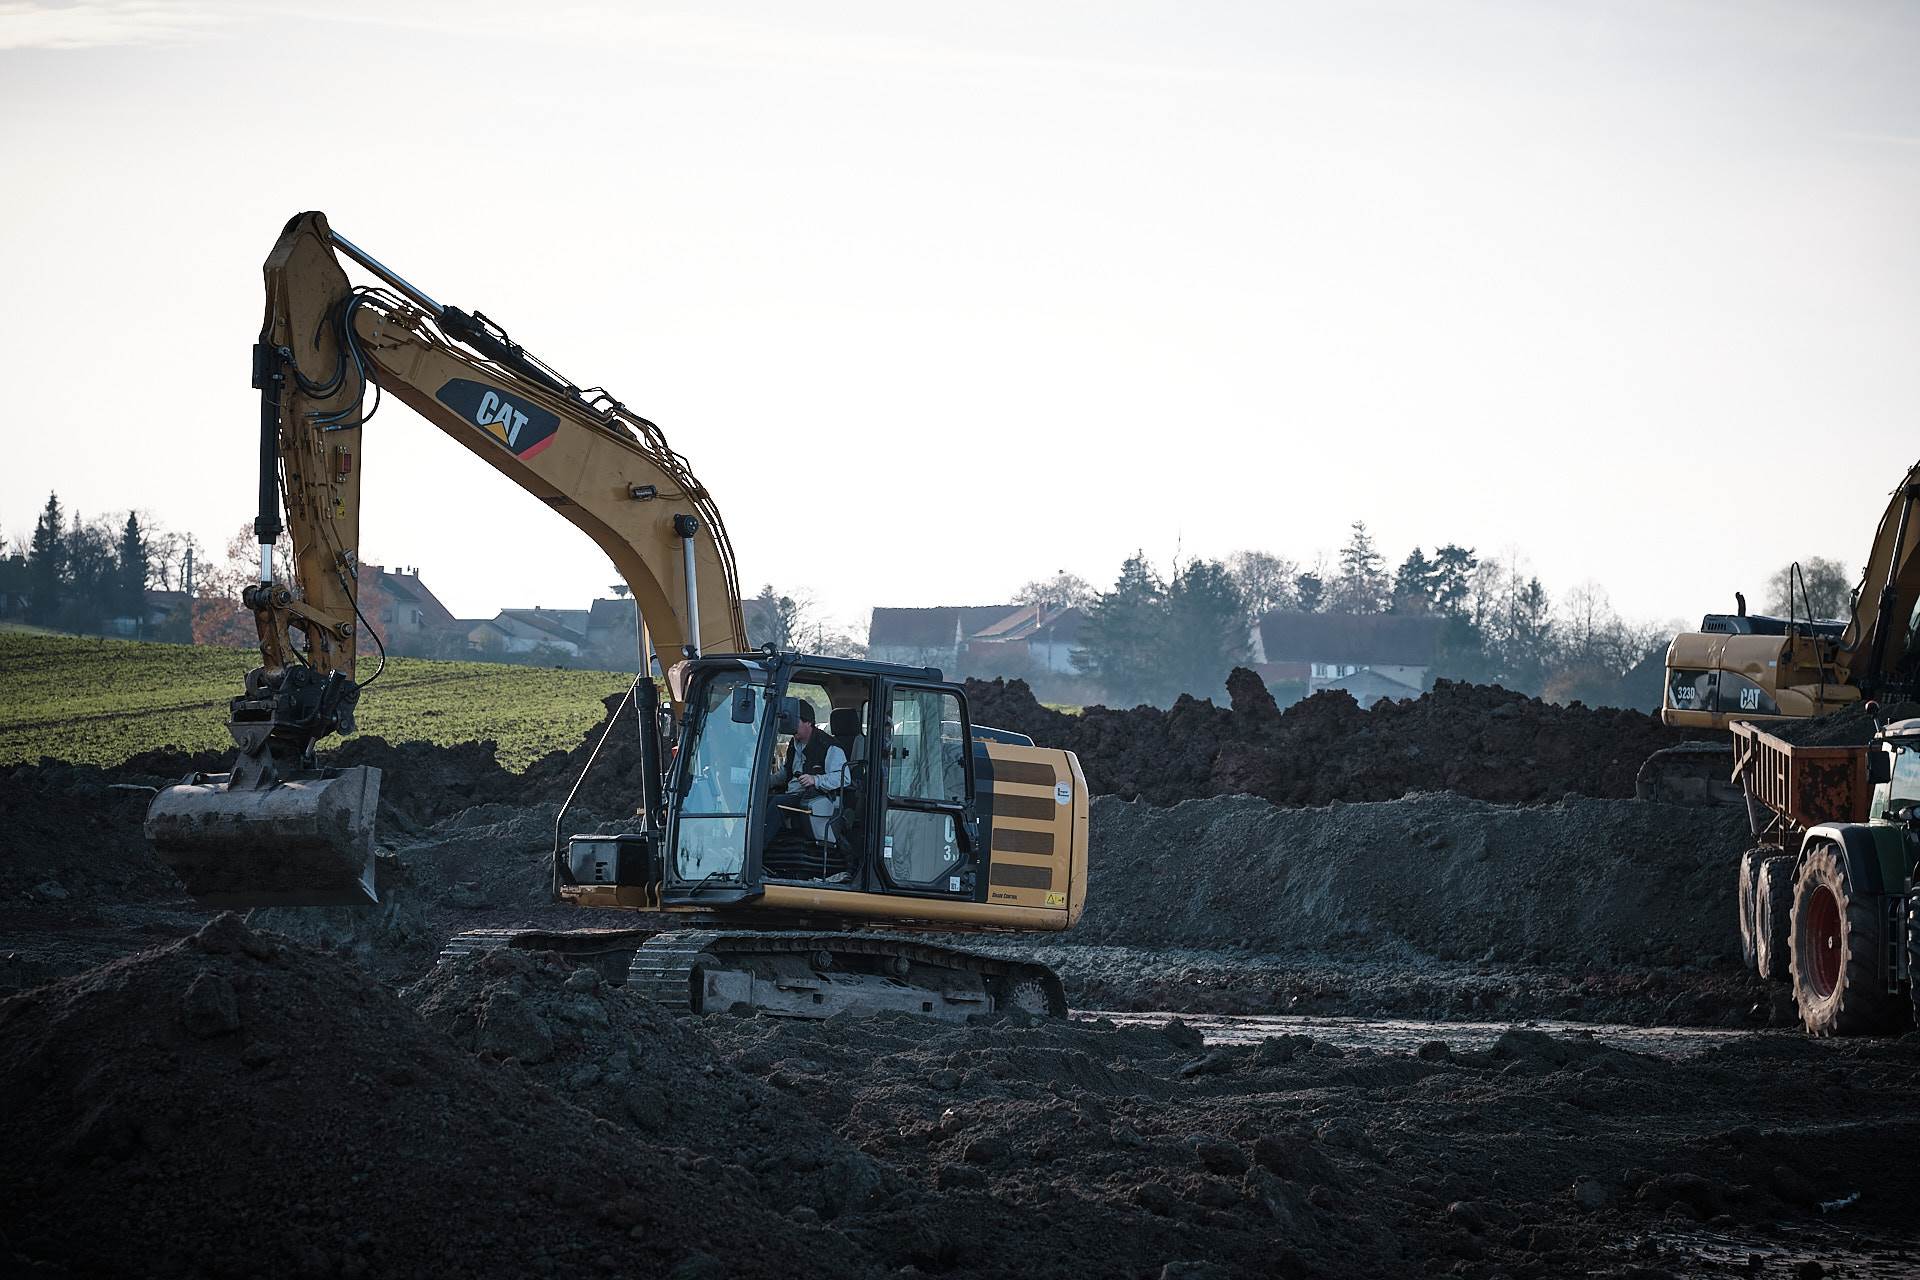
(277, 828)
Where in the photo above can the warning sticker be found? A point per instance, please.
(1056, 899)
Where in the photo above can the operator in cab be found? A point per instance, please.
(810, 777)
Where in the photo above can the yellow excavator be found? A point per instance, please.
(802, 901)
(1742, 666)
(1751, 667)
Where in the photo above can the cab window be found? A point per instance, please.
(927, 757)
(1905, 787)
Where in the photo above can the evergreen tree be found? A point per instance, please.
(1362, 586)
(1206, 635)
(47, 563)
(1122, 636)
(776, 620)
(132, 571)
(93, 578)
(1414, 584)
(1309, 592)
(1453, 567)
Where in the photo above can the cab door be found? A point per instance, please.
(926, 844)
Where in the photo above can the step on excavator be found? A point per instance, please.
(1752, 668)
(723, 893)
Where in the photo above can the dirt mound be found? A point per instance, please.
(1847, 727)
(72, 834)
(633, 1064)
(1582, 880)
(237, 1104)
(1478, 740)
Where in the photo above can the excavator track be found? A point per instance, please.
(815, 975)
(791, 974)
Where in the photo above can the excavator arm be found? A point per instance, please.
(328, 352)
(278, 828)
(1874, 649)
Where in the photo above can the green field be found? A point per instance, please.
(96, 701)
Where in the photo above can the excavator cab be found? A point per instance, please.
(931, 819)
(894, 811)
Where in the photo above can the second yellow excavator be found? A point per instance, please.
(896, 817)
(1742, 666)
(1751, 667)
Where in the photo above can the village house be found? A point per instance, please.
(933, 637)
(522, 631)
(411, 619)
(1031, 639)
(1370, 655)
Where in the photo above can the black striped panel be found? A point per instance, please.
(1013, 840)
(1012, 876)
(1032, 808)
(1026, 773)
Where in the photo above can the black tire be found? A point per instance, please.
(1773, 918)
(1749, 873)
(1913, 956)
(1837, 940)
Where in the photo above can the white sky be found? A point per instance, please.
(1631, 287)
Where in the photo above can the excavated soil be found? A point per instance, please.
(237, 1103)
(307, 1094)
(1849, 727)
(1478, 740)
(1581, 881)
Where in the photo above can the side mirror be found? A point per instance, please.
(1879, 766)
(743, 708)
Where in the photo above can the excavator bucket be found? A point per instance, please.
(304, 841)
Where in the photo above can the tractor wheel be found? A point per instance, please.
(1837, 944)
(1913, 955)
(1749, 873)
(1772, 915)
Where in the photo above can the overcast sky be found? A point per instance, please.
(940, 298)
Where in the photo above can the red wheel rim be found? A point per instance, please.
(1823, 935)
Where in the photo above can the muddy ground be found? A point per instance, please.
(1432, 1030)
(238, 1103)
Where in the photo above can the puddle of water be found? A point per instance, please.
(1407, 1035)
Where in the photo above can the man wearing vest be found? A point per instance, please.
(810, 778)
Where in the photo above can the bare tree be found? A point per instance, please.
(1062, 591)
(1266, 582)
(1828, 590)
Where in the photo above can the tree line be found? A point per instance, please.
(87, 575)
(1155, 635)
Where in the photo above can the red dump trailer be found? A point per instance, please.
(1826, 892)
